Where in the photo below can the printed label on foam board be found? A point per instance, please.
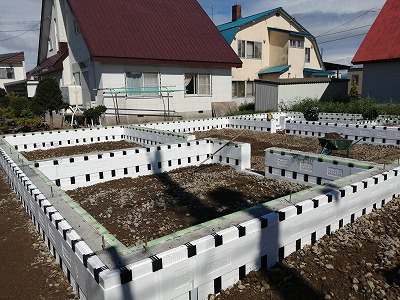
(283, 162)
(306, 166)
(381, 133)
(348, 131)
(335, 172)
(219, 261)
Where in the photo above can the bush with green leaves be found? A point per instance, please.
(93, 114)
(4, 100)
(347, 107)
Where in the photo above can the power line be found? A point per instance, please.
(18, 30)
(13, 37)
(363, 14)
(345, 30)
(343, 38)
(17, 22)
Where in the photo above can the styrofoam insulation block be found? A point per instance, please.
(267, 233)
(133, 163)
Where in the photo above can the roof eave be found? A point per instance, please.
(366, 61)
(146, 61)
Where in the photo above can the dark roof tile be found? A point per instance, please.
(152, 31)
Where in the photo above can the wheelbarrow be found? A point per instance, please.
(329, 145)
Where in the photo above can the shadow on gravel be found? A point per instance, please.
(392, 276)
(279, 277)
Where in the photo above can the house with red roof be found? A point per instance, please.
(380, 55)
(272, 46)
(12, 68)
(138, 58)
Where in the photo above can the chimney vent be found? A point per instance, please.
(236, 12)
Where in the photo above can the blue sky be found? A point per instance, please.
(339, 25)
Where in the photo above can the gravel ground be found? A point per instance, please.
(141, 209)
(359, 261)
(77, 149)
(261, 140)
(27, 270)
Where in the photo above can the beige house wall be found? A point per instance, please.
(276, 50)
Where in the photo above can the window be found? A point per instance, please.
(7, 73)
(238, 88)
(308, 55)
(197, 84)
(300, 44)
(241, 48)
(249, 88)
(247, 49)
(296, 43)
(145, 84)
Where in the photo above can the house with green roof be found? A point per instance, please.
(272, 45)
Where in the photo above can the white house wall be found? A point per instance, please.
(289, 93)
(19, 73)
(113, 76)
(381, 81)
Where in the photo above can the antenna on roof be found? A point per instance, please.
(212, 12)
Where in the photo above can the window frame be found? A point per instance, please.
(242, 48)
(7, 73)
(239, 89)
(307, 58)
(141, 80)
(256, 49)
(296, 43)
(197, 85)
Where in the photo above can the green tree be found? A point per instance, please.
(48, 98)
(20, 106)
(4, 100)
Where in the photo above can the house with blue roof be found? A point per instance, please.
(272, 45)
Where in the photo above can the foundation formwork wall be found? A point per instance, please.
(213, 261)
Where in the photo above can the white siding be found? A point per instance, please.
(113, 76)
(19, 73)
